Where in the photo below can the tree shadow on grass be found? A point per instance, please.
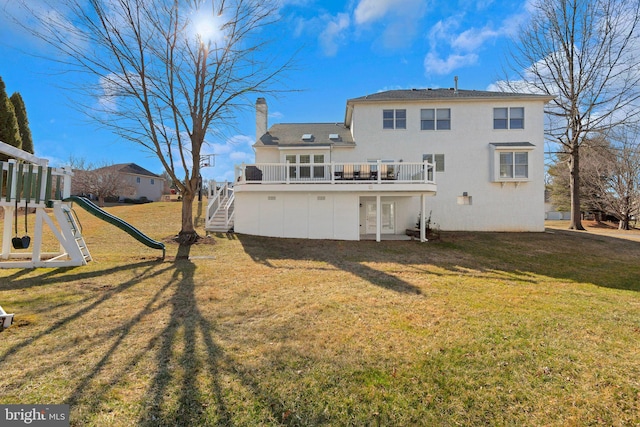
(579, 257)
(185, 351)
(347, 256)
(182, 335)
(149, 272)
(61, 275)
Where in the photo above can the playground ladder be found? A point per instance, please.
(74, 228)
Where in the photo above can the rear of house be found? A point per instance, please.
(469, 160)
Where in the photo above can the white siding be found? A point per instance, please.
(495, 206)
(469, 168)
(301, 215)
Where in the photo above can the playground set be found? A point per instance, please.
(27, 182)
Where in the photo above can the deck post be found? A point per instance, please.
(378, 218)
(286, 172)
(8, 232)
(423, 209)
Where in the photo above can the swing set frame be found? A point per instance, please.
(28, 181)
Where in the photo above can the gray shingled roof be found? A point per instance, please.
(290, 135)
(131, 168)
(427, 94)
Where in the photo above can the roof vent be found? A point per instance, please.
(307, 137)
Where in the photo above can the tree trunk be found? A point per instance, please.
(187, 235)
(574, 185)
(624, 223)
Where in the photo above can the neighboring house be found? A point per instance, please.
(471, 160)
(129, 181)
(145, 184)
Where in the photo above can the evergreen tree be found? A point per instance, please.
(23, 122)
(9, 130)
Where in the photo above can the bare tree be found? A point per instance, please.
(585, 53)
(99, 180)
(168, 72)
(613, 177)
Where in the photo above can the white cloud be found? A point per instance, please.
(241, 140)
(334, 33)
(454, 45)
(276, 115)
(437, 65)
(241, 157)
(37, 25)
(398, 19)
(219, 149)
(369, 11)
(394, 24)
(330, 30)
(473, 38)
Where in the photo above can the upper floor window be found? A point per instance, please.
(138, 179)
(153, 181)
(394, 119)
(435, 119)
(508, 118)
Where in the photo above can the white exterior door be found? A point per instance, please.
(388, 215)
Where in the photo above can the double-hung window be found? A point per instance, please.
(508, 118)
(435, 119)
(437, 159)
(511, 161)
(434, 159)
(514, 164)
(394, 119)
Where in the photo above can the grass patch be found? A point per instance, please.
(476, 329)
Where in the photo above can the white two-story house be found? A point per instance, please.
(471, 160)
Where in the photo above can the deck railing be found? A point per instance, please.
(336, 173)
(221, 197)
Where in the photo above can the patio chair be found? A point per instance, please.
(348, 172)
(365, 171)
(383, 171)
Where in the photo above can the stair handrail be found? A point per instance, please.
(229, 206)
(214, 203)
(75, 215)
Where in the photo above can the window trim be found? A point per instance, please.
(435, 120)
(500, 148)
(433, 158)
(508, 120)
(395, 120)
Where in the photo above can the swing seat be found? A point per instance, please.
(5, 319)
(21, 242)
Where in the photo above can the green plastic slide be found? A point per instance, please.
(95, 210)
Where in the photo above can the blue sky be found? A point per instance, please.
(346, 49)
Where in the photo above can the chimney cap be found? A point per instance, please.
(261, 101)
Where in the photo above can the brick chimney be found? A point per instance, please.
(261, 117)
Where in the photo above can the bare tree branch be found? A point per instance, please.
(159, 80)
(585, 53)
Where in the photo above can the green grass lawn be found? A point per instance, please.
(474, 329)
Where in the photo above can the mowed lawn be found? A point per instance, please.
(475, 329)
